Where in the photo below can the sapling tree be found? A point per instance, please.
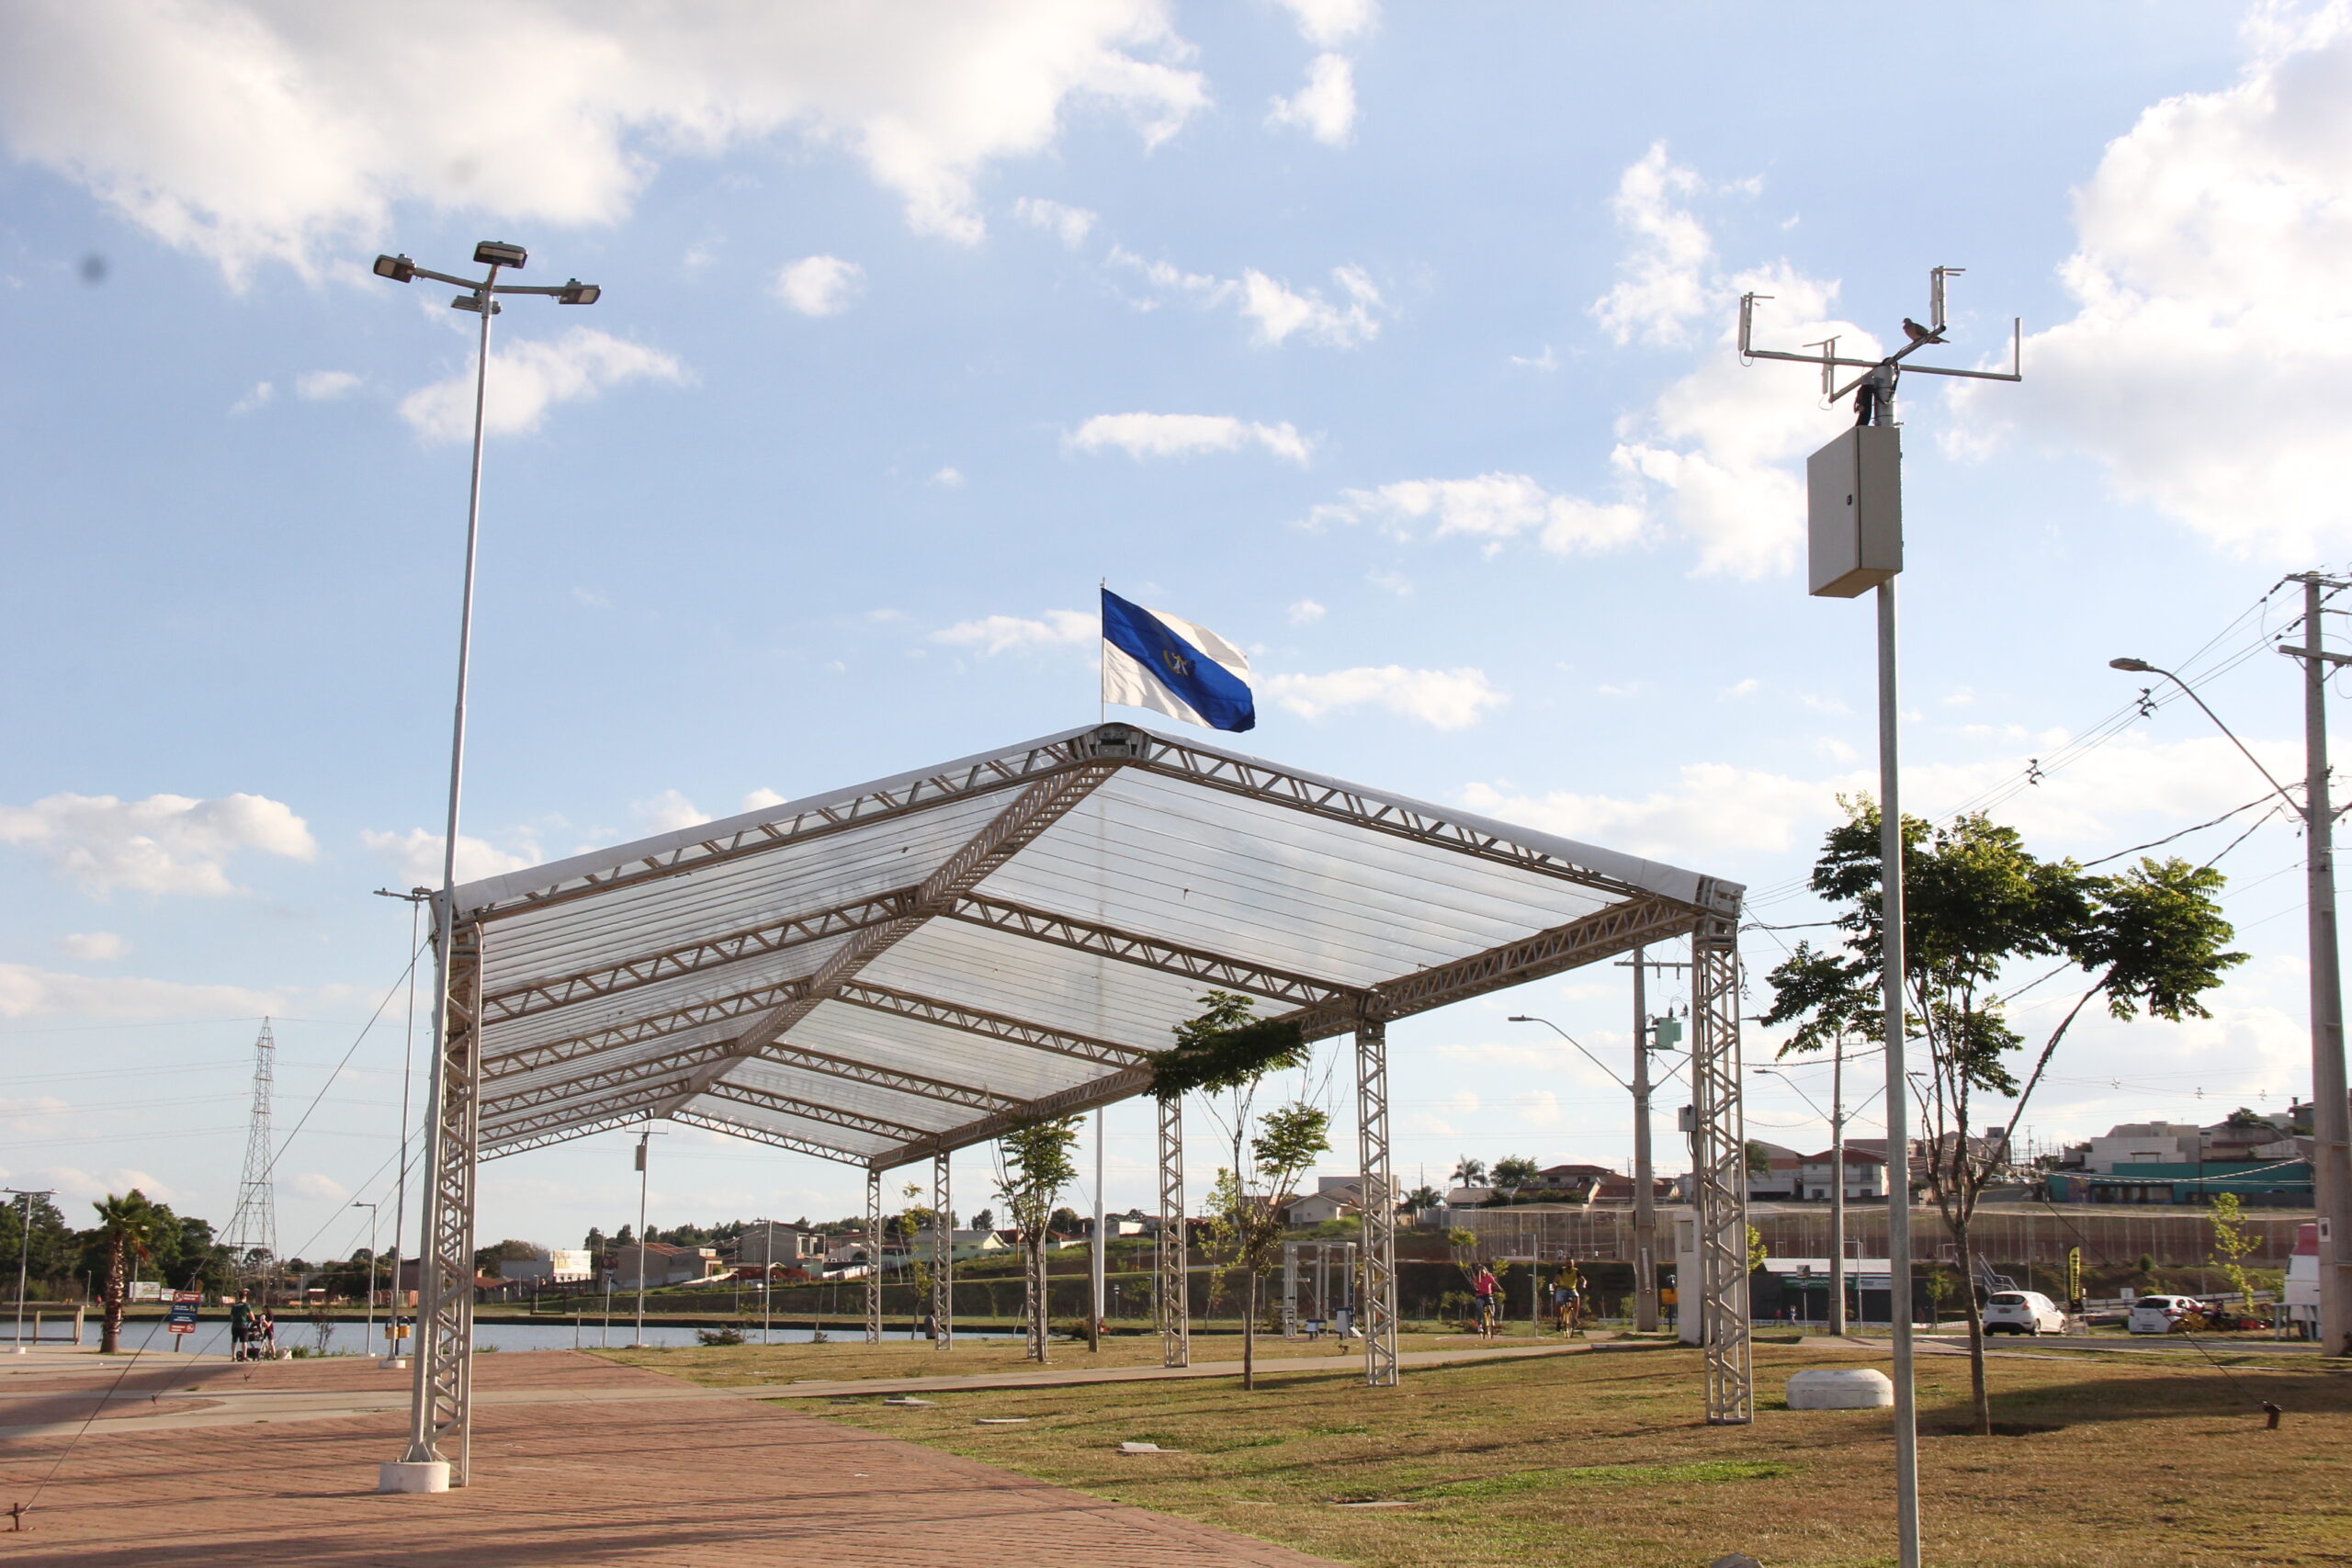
(2150, 939)
(2234, 1238)
(1034, 1165)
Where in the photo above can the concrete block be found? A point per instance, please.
(432, 1475)
(1840, 1388)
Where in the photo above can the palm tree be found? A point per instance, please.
(1470, 1172)
(128, 1225)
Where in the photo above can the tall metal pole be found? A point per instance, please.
(25, 1254)
(1102, 1243)
(644, 1143)
(2331, 1115)
(1646, 1313)
(370, 1330)
(1898, 1090)
(1837, 1190)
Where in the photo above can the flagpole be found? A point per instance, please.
(1101, 669)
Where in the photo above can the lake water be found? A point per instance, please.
(592, 1336)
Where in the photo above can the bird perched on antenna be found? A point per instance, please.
(1919, 333)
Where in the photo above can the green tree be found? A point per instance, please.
(48, 1256)
(1248, 1205)
(1516, 1171)
(491, 1260)
(1034, 1165)
(1424, 1197)
(2234, 1238)
(2150, 939)
(127, 1229)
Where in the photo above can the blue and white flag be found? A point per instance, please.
(1154, 660)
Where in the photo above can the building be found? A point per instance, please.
(556, 1266)
(1334, 1198)
(665, 1263)
(1865, 1174)
(1772, 1171)
(2140, 1143)
(962, 1244)
(772, 1243)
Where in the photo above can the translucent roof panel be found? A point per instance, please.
(914, 963)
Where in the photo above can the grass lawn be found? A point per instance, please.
(1601, 1462)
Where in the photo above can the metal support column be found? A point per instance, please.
(942, 1255)
(441, 1402)
(1721, 1140)
(1290, 1290)
(1173, 1298)
(1379, 1304)
(874, 1257)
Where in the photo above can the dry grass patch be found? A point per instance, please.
(1601, 1461)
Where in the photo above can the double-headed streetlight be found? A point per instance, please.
(480, 295)
(2331, 1113)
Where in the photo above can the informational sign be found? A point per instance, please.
(183, 1315)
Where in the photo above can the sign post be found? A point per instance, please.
(182, 1317)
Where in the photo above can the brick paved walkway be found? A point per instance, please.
(693, 1480)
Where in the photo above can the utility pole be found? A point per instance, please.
(1854, 523)
(644, 1142)
(25, 1251)
(1837, 1188)
(1646, 1040)
(1101, 1244)
(415, 897)
(2331, 1115)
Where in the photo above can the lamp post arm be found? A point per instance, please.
(1587, 1056)
(2190, 691)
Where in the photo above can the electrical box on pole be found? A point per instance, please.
(1854, 504)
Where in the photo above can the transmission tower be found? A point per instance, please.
(252, 1237)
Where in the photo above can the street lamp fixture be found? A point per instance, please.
(400, 269)
(498, 252)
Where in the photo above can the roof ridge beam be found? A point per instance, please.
(1064, 1102)
(1149, 952)
(708, 1123)
(753, 941)
(989, 1025)
(810, 1110)
(1029, 813)
(823, 1063)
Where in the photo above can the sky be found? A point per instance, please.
(1391, 342)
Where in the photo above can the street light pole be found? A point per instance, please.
(2331, 1113)
(1644, 1178)
(644, 1143)
(25, 1252)
(370, 1330)
(481, 296)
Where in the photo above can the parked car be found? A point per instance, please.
(2023, 1312)
(2159, 1314)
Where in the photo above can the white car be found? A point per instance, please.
(2159, 1314)
(2023, 1312)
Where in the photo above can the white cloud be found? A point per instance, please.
(1447, 699)
(324, 386)
(249, 130)
(93, 947)
(819, 286)
(949, 479)
(760, 799)
(1069, 224)
(1279, 311)
(1325, 107)
(527, 377)
(166, 843)
(319, 1188)
(667, 810)
(1491, 507)
(1142, 436)
(1006, 634)
(1329, 23)
(259, 397)
(27, 992)
(592, 598)
(1663, 281)
(1396, 582)
(2208, 366)
(1306, 613)
(1711, 809)
(415, 856)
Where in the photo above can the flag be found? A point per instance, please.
(1154, 660)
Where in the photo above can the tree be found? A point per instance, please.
(2246, 1118)
(2233, 1239)
(595, 1243)
(127, 1229)
(1033, 1167)
(1225, 1051)
(487, 1259)
(2150, 939)
(1066, 1222)
(985, 1220)
(1424, 1197)
(627, 1236)
(49, 1255)
(911, 1221)
(1757, 1158)
(1516, 1171)
(1469, 1172)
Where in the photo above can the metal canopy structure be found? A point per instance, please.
(889, 973)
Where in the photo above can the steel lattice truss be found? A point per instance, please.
(909, 967)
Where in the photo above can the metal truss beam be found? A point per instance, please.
(900, 797)
(1380, 1365)
(635, 1106)
(500, 1150)
(810, 1110)
(441, 1399)
(1063, 1102)
(995, 1026)
(1173, 1300)
(874, 1257)
(711, 1124)
(1336, 803)
(636, 1032)
(1720, 1157)
(754, 942)
(1029, 813)
(942, 1255)
(1129, 947)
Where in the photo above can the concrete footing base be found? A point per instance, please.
(431, 1475)
(1840, 1388)
(393, 1363)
